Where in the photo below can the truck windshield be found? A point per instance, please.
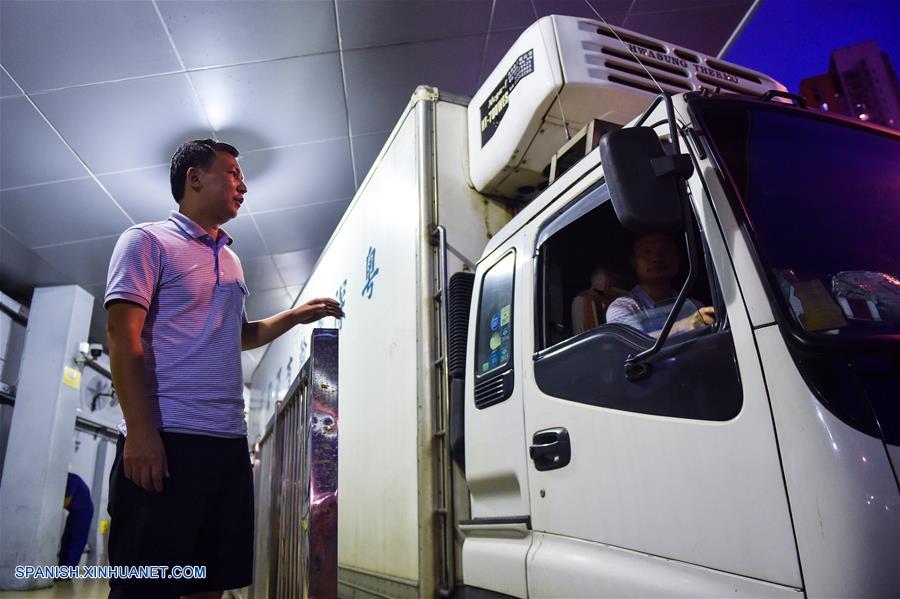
(821, 199)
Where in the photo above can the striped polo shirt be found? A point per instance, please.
(639, 311)
(193, 290)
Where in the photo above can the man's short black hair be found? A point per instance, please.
(635, 238)
(200, 153)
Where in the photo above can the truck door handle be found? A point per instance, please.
(551, 449)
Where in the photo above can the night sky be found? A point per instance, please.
(793, 39)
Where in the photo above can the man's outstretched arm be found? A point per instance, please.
(260, 332)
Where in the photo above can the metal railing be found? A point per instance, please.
(295, 479)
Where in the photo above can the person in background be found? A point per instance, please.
(181, 488)
(589, 307)
(654, 257)
(78, 522)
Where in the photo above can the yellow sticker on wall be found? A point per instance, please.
(103, 526)
(72, 377)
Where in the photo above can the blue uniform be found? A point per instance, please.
(78, 522)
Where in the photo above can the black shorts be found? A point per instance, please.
(203, 517)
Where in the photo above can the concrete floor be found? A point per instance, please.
(83, 589)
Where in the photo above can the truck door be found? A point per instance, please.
(498, 534)
(670, 485)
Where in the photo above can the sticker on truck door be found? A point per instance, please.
(499, 341)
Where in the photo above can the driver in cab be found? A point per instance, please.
(655, 260)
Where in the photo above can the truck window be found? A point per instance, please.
(592, 313)
(582, 267)
(493, 345)
(590, 270)
(799, 178)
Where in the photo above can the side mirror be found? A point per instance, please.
(643, 180)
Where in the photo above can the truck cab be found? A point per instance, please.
(755, 456)
(624, 323)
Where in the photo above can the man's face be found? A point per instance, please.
(222, 187)
(655, 258)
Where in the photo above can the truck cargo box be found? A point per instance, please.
(395, 509)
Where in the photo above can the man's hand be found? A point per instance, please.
(315, 309)
(705, 316)
(145, 459)
(260, 332)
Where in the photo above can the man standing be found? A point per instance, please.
(181, 488)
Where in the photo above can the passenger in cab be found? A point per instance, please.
(655, 260)
(589, 307)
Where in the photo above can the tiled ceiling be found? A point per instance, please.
(95, 96)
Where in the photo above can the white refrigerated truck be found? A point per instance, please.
(758, 456)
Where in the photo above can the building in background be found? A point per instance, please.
(821, 92)
(860, 82)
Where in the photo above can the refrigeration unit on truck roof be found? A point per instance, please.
(566, 71)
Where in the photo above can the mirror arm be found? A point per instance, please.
(673, 162)
(680, 165)
(673, 133)
(636, 366)
(649, 110)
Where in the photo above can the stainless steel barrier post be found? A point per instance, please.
(320, 516)
(299, 452)
(275, 538)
